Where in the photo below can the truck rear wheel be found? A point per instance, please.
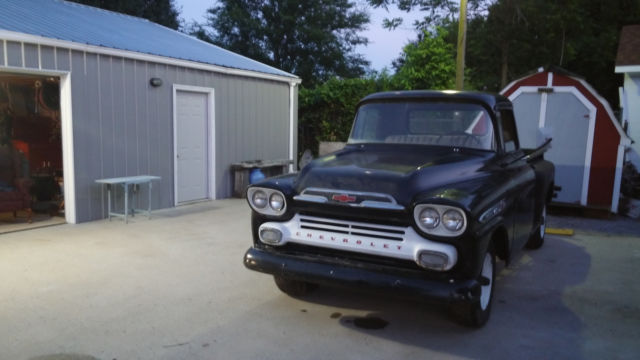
(537, 238)
(294, 288)
(476, 314)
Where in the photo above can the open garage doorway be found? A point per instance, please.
(31, 161)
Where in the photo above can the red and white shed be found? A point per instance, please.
(588, 142)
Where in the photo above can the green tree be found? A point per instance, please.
(162, 12)
(436, 12)
(580, 36)
(315, 40)
(326, 111)
(427, 64)
(506, 39)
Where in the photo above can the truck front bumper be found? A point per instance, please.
(326, 272)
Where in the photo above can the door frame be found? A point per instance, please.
(66, 132)
(592, 123)
(211, 138)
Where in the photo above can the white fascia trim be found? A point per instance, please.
(503, 91)
(523, 89)
(624, 104)
(618, 179)
(543, 102)
(175, 144)
(292, 151)
(211, 141)
(30, 71)
(627, 69)
(68, 157)
(5, 59)
(40, 40)
(624, 139)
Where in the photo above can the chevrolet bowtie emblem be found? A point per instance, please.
(344, 198)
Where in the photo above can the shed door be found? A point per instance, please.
(526, 108)
(568, 119)
(191, 146)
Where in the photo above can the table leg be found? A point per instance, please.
(126, 202)
(109, 200)
(134, 189)
(149, 203)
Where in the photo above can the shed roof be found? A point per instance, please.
(629, 46)
(83, 24)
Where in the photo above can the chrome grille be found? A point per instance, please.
(352, 228)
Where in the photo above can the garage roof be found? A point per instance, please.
(83, 24)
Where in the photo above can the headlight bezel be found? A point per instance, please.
(265, 198)
(440, 229)
(272, 201)
(436, 218)
(267, 210)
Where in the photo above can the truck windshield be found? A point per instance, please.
(424, 123)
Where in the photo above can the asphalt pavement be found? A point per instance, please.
(174, 287)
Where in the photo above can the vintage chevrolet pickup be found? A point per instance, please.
(430, 189)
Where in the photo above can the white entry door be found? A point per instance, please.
(192, 163)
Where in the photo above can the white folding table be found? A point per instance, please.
(125, 182)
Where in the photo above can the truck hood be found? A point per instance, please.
(401, 171)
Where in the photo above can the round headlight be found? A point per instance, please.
(453, 220)
(276, 201)
(429, 218)
(259, 199)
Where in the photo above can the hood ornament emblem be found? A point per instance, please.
(343, 198)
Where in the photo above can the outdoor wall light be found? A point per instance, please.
(155, 82)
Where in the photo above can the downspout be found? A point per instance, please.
(292, 151)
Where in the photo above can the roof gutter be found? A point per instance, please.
(35, 39)
(627, 69)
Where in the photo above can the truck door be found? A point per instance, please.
(521, 181)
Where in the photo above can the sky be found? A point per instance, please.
(384, 45)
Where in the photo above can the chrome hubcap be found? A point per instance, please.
(485, 291)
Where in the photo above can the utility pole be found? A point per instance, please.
(462, 44)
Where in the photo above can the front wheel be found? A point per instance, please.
(537, 238)
(476, 314)
(294, 288)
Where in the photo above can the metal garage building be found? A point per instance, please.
(588, 142)
(134, 95)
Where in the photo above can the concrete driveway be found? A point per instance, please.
(174, 287)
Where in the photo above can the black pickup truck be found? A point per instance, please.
(430, 189)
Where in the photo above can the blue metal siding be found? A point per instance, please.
(87, 25)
